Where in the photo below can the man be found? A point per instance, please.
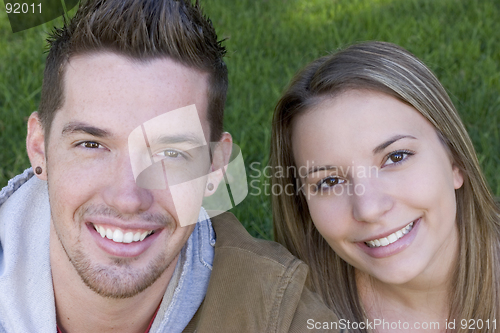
(110, 235)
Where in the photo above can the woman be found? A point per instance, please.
(391, 210)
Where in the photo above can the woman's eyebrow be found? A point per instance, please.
(321, 168)
(389, 142)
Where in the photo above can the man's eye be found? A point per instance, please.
(397, 157)
(169, 153)
(90, 144)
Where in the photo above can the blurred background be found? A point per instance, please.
(267, 42)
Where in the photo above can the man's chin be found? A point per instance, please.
(119, 280)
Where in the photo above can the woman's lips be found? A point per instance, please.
(395, 236)
(385, 247)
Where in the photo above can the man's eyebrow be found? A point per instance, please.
(389, 142)
(79, 127)
(321, 168)
(177, 138)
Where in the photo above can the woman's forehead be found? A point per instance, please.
(356, 119)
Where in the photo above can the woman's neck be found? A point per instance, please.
(425, 299)
(400, 308)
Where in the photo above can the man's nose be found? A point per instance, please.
(122, 192)
(370, 201)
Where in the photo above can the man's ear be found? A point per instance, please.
(35, 145)
(221, 153)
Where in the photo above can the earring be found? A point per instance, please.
(38, 170)
(210, 186)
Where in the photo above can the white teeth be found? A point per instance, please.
(102, 231)
(109, 233)
(391, 238)
(128, 237)
(119, 237)
(384, 241)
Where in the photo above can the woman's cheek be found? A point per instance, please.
(330, 219)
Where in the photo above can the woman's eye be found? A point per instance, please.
(329, 182)
(397, 157)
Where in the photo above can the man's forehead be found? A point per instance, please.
(93, 61)
(176, 126)
(109, 89)
(105, 72)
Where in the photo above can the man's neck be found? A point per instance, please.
(79, 309)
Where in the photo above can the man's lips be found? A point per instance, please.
(122, 249)
(115, 223)
(119, 235)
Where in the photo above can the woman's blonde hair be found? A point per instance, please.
(389, 69)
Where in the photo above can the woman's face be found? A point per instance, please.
(380, 185)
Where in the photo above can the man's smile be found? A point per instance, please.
(118, 246)
(118, 235)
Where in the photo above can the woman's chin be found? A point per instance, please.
(396, 276)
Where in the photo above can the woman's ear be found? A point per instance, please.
(221, 153)
(458, 177)
(35, 145)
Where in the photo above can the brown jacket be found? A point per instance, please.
(256, 286)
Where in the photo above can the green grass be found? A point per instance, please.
(269, 40)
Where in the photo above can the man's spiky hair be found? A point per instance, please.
(141, 30)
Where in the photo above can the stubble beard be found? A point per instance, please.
(119, 280)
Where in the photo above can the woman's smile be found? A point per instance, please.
(392, 244)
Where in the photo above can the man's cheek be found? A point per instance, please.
(69, 192)
(187, 199)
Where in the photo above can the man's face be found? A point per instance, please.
(92, 188)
